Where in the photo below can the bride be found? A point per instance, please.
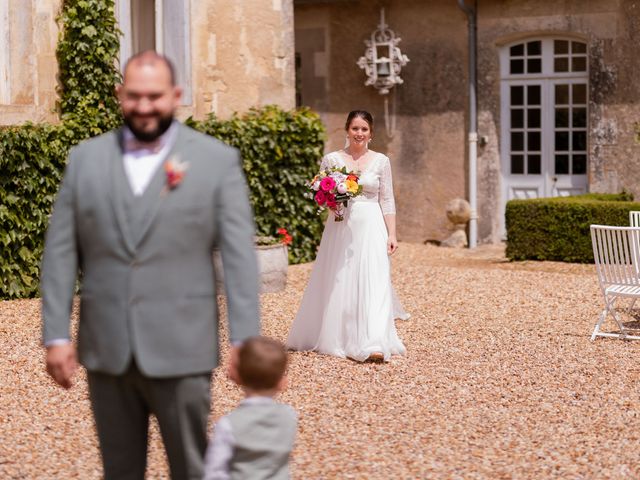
(349, 306)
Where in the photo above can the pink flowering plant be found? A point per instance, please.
(332, 188)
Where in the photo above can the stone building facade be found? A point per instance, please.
(557, 89)
(557, 98)
(230, 55)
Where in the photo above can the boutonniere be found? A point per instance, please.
(175, 169)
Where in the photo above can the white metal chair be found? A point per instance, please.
(634, 218)
(616, 251)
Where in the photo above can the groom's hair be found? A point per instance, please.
(262, 363)
(149, 57)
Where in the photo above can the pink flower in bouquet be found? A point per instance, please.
(331, 201)
(327, 183)
(321, 197)
(342, 188)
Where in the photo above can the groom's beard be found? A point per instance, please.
(146, 135)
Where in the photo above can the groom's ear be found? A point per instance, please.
(177, 95)
(119, 91)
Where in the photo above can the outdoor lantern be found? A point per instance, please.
(383, 60)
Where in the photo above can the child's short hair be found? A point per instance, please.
(262, 362)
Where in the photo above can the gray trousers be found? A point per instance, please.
(121, 408)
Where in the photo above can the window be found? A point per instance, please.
(545, 92)
(544, 115)
(160, 25)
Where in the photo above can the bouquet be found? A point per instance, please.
(333, 187)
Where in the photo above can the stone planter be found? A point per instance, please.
(273, 261)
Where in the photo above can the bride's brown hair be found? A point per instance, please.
(363, 114)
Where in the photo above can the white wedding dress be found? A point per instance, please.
(349, 306)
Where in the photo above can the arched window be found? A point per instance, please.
(544, 98)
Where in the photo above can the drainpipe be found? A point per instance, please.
(473, 125)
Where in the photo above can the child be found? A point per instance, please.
(254, 441)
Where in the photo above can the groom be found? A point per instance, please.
(138, 214)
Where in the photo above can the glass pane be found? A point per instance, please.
(562, 141)
(533, 118)
(517, 141)
(579, 93)
(560, 46)
(517, 50)
(579, 141)
(534, 164)
(578, 47)
(517, 66)
(517, 118)
(517, 164)
(579, 164)
(534, 48)
(562, 164)
(533, 141)
(579, 64)
(579, 117)
(534, 65)
(562, 94)
(517, 95)
(533, 95)
(562, 117)
(561, 64)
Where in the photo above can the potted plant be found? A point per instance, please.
(273, 260)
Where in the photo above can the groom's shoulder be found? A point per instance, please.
(207, 142)
(97, 143)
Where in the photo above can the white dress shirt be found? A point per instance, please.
(140, 166)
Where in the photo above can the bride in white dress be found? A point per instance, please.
(349, 306)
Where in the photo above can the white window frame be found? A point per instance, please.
(163, 43)
(5, 54)
(547, 79)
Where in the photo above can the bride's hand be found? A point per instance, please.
(392, 245)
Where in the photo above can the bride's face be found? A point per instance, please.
(359, 133)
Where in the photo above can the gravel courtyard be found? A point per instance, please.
(500, 381)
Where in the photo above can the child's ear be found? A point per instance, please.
(282, 384)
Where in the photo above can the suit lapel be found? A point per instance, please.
(157, 191)
(118, 179)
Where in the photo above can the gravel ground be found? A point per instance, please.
(500, 381)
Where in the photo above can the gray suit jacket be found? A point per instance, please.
(148, 284)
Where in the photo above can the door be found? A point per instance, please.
(543, 120)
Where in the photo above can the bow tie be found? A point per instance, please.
(135, 145)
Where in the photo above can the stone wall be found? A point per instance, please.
(32, 66)
(610, 28)
(241, 56)
(427, 148)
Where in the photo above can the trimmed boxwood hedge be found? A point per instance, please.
(558, 228)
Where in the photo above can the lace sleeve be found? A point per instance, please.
(387, 203)
(326, 162)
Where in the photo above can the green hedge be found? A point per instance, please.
(281, 150)
(558, 228)
(31, 160)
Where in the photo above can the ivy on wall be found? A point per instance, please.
(87, 54)
(281, 150)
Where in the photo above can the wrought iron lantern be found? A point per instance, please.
(383, 60)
